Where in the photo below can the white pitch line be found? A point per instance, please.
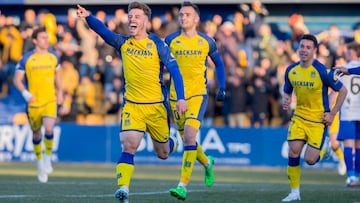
(87, 196)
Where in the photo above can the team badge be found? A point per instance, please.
(200, 42)
(335, 76)
(149, 45)
(294, 72)
(312, 74)
(177, 42)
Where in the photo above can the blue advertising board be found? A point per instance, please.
(101, 144)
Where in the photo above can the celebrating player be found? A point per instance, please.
(310, 81)
(145, 107)
(191, 49)
(39, 68)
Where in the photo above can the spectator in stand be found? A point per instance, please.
(68, 47)
(12, 43)
(325, 56)
(158, 27)
(217, 20)
(259, 96)
(267, 42)
(238, 98)
(89, 57)
(69, 76)
(26, 28)
(229, 41)
(298, 29)
(121, 19)
(113, 102)
(29, 20)
(85, 96)
(48, 20)
(26, 36)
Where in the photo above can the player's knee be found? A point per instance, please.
(48, 131)
(311, 161)
(162, 155)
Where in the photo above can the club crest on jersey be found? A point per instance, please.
(312, 74)
(335, 76)
(294, 72)
(177, 42)
(200, 42)
(149, 45)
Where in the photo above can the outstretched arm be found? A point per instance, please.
(341, 70)
(99, 27)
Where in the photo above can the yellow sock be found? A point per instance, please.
(124, 172)
(125, 169)
(37, 149)
(339, 153)
(201, 156)
(48, 143)
(294, 176)
(188, 162)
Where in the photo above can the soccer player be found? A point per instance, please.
(349, 131)
(310, 80)
(191, 49)
(145, 105)
(42, 92)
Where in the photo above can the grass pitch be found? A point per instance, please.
(80, 183)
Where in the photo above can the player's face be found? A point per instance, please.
(188, 18)
(306, 50)
(137, 22)
(42, 40)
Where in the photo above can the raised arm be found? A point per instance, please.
(109, 37)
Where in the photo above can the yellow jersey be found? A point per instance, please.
(191, 55)
(311, 89)
(40, 75)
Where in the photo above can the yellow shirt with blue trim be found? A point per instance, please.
(191, 55)
(143, 64)
(40, 75)
(311, 89)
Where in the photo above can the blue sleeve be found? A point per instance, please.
(170, 62)
(355, 71)
(219, 64)
(288, 89)
(173, 68)
(328, 77)
(109, 37)
(21, 64)
(333, 81)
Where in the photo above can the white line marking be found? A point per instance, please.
(99, 195)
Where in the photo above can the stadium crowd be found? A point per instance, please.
(255, 59)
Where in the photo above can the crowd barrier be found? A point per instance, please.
(262, 147)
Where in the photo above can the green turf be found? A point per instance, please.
(80, 183)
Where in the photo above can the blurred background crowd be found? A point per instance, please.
(255, 53)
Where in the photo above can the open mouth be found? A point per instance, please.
(132, 27)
